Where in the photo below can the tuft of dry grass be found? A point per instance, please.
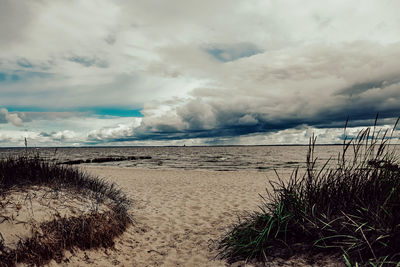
(350, 207)
(52, 238)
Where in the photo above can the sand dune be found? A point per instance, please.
(22, 210)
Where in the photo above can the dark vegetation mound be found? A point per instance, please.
(52, 238)
(349, 207)
(104, 159)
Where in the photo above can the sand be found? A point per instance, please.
(23, 210)
(179, 215)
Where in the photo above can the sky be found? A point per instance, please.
(226, 72)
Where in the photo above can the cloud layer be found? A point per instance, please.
(199, 72)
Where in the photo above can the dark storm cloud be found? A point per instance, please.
(359, 88)
(205, 118)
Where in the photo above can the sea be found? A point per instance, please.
(217, 158)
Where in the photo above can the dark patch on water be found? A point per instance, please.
(103, 160)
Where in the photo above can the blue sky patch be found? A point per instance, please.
(113, 111)
(19, 75)
(89, 61)
(231, 52)
(24, 63)
(100, 111)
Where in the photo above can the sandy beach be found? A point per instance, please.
(178, 215)
(184, 110)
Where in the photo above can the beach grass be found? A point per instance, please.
(52, 238)
(349, 209)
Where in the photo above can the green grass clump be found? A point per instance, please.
(52, 238)
(349, 206)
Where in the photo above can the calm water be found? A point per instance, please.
(259, 158)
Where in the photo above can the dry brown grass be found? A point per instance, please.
(50, 239)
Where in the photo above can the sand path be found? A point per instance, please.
(178, 215)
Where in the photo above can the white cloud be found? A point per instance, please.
(12, 118)
(198, 68)
(151, 40)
